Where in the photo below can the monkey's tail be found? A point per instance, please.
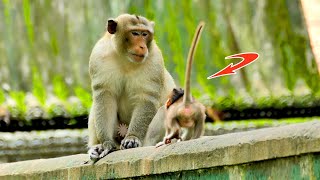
(187, 94)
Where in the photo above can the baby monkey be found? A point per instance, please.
(185, 117)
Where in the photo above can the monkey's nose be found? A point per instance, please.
(142, 47)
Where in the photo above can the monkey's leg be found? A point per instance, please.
(95, 149)
(156, 130)
(164, 141)
(140, 120)
(198, 128)
(187, 134)
(93, 139)
(105, 122)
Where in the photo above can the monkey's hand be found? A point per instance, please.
(101, 150)
(130, 142)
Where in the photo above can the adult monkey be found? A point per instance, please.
(129, 84)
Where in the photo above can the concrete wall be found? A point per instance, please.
(20, 146)
(287, 152)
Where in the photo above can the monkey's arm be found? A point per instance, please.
(140, 120)
(103, 95)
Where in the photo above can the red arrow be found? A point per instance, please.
(247, 58)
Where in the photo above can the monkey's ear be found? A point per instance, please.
(112, 26)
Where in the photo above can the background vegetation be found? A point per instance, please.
(45, 47)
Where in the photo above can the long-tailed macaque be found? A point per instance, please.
(185, 117)
(129, 84)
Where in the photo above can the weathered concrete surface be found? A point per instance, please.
(204, 154)
(305, 166)
(20, 146)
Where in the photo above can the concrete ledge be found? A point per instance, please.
(20, 146)
(207, 152)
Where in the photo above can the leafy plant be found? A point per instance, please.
(75, 107)
(38, 88)
(60, 88)
(57, 110)
(28, 22)
(19, 110)
(2, 97)
(84, 96)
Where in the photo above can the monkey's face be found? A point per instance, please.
(137, 43)
(133, 36)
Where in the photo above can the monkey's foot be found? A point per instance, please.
(130, 142)
(95, 151)
(101, 150)
(108, 147)
(164, 142)
(167, 141)
(160, 144)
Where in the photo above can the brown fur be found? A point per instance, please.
(174, 96)
(129, 83)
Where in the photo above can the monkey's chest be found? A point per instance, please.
(132, 90)
(125, 108)
(129, 100)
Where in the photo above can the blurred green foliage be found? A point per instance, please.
(2, 97)
(45, 47)
(19, 108)
(38, 88)
(57, 110)
(84, 97)
(60, 88)
(257, 123)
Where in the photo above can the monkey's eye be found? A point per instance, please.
(135, 33)
(144, 34)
